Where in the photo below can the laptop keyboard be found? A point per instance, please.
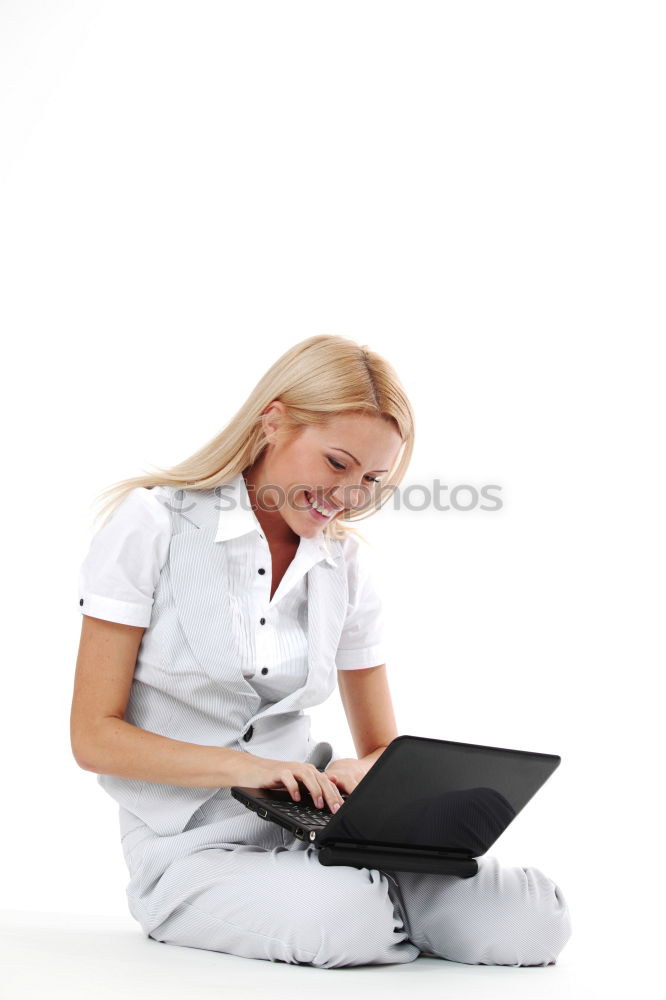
(299, 812)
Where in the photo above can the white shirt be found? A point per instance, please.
(220, 663)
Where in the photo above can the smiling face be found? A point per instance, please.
(318, 465)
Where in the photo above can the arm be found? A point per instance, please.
(366, 699)
(103, 742)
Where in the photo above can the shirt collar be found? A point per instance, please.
(237, 518)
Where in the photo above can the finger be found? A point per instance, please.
(331, 792)
(290, 783)
(320, 788)
(338, 786)
(308, 775)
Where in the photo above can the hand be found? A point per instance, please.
(347, 772)
(262, 772)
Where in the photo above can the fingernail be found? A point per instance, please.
(320, 803)
(336, 806)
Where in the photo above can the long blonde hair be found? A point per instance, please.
(316, 379)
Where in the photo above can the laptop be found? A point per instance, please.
(426, 805)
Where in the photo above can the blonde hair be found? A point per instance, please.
(316, 379)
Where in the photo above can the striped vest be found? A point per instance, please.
(196, 695)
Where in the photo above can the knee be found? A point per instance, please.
(535, 923)
(352, 921)
(501, 916)
(553, 919)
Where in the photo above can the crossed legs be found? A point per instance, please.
(280, 904)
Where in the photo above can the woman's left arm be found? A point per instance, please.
(366, 699)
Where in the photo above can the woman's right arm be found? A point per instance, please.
(103, 742)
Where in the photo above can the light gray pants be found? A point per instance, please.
(270, 898)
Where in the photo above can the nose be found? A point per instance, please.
(349, 497)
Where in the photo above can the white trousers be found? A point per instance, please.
(271, 899)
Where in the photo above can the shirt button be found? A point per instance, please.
(248, 735)
(264, 670)
(262, 570)
(262, 621)
(81, 602)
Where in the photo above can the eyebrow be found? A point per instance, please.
(335, 448)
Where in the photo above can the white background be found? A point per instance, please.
(475, 191)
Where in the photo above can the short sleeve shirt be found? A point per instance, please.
(120, 572)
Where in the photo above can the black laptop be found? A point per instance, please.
(426, 805)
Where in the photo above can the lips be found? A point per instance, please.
(334, 510)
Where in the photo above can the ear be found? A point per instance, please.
(271, 419)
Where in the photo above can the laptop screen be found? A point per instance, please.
(440, 795)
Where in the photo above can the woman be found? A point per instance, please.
(221, 599)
